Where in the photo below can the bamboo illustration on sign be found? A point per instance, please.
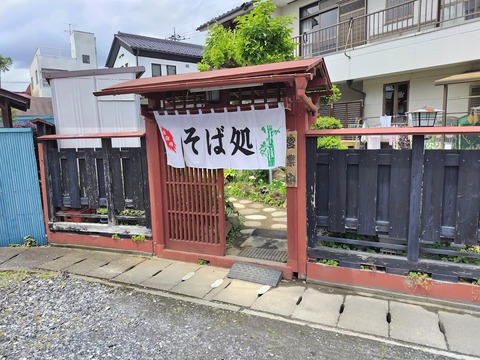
(268, 148)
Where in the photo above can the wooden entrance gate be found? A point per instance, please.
(195, 210)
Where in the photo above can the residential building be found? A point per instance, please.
(82, 55)
(385, 55)
(158, 56)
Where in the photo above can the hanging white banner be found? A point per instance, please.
(254, 139)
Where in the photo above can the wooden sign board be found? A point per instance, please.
(291, 159)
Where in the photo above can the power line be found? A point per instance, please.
(175, 36)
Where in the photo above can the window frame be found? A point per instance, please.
(85, 59)
(396, 86)
(159, 66)
(169, 68)
(474, 100)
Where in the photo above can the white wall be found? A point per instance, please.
(83, 43)
(182, 67)
(126, 58)
(78, 111)
(422, 91)
(424, 50)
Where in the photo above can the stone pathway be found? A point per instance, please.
(266, 228)
(257, 215)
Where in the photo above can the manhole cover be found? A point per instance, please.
(255, 273)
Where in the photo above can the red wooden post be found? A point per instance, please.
(297, 119)
(43, 182)
(155, 180)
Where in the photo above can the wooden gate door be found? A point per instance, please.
(195, 210)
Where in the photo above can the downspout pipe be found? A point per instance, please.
(349, 84)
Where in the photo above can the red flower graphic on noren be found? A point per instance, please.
(168, 137)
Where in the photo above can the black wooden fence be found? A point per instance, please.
(400, 210)
(81, 184)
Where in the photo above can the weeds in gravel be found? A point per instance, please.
(17, 277)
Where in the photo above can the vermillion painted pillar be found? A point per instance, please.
(155, 179)
(297, 119)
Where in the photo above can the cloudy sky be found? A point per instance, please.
(26, 25)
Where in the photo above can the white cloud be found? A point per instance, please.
(26, 25)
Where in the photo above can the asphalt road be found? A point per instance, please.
(44, 317)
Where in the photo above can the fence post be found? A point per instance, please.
(107, 170)
(146, 190)
(416, 179)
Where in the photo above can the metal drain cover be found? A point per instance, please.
(255, 273)
(264, 254)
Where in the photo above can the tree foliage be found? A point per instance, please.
(5, 63)
(331, 99)
(257, 39)
(328, 142)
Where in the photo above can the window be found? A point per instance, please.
(171, 69)
(318, 26)
(86, 59)
(395, 99)
(156, 70)
(474, 101)
(36, 77)
(472, 9)
(402, 9)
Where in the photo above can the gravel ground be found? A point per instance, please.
(55, 317)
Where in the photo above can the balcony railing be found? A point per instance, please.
(410, 17)
(54, 52)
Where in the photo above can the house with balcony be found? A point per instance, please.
(82, 55)
(385, 55)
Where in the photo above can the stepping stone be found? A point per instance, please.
(238, 206)
(255, 217)
(245, 201)
(279, 213)
(247, 231)
(252, 223)
(254, 241)
(256, 206)
(269, 210)
(279, 226)
(280, 219)
(248, 211)
(232, 199)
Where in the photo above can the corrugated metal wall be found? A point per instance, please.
(20, 204)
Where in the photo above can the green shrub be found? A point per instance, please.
(328, 142)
